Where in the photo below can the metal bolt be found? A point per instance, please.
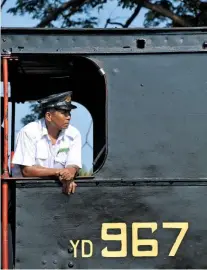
(44, 261)
(70, 249)
(20, 48)
(70, 264)
(115, 70)
(19, 224)
(205, 45)
(55, 262)
(6, 51)
(3, 39)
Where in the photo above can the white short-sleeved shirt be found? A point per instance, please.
(34, 147)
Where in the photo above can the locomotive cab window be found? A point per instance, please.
(35, 77)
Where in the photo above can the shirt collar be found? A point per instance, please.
(43, 127)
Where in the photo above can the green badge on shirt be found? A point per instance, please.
(62, 150)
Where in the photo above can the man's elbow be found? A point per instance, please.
(26, 171)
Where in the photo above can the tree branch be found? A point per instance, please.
(108, 21)
(133, 16)
(164, 12)
(145, 3)
(3, 3)
(56, 12)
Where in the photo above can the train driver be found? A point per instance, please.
(51, 146)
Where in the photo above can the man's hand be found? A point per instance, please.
(68, 187)
(67, 174)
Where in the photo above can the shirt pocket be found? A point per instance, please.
(41, 151)
(63, 151)
(61, 158)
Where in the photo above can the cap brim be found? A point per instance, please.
(73, 106)
(66, 108)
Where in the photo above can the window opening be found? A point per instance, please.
(33, 77)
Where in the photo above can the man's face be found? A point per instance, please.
(59, 118)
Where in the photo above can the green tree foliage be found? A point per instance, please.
(84, 172)
(34, 115)
(80, 13)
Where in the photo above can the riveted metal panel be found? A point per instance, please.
(47, 220)
(103, 41)
(156, 109)
(156, 126)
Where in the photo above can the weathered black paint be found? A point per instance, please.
(157, 116)
(47, 220)
(156, 103)
(156, 119)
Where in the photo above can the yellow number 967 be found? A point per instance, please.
(136, 242)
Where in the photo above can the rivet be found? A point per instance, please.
(70, 249)
(3, 39)
(21, 48)
(44, 261)
(55, 262)
(19, 224)
(70, 264)
(205, 45)
(115, 70)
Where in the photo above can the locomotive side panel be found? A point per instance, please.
(157, 116)
(47, 221)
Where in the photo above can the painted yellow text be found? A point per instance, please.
(136, 242)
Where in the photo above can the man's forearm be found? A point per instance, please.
(38, 171)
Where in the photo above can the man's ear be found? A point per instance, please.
(48, 116)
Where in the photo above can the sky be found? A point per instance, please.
(81, 118)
